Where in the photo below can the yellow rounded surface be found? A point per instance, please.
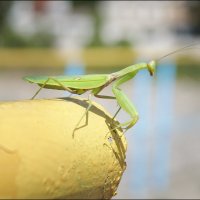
(40, 158)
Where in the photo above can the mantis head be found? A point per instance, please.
(152, 64)
(151, 67)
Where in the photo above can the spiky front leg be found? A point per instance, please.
(125, 103)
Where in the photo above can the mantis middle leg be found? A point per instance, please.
(96, 94)
(85, 113)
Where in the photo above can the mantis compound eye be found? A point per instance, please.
(151, 67)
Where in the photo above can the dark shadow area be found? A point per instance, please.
(112, 124)
(87, 194)
(120, 155)
(85, 104)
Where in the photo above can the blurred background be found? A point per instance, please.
(84, 37)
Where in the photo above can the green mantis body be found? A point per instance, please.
(95, 83)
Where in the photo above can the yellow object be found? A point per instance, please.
(55, 58)
(39, 158)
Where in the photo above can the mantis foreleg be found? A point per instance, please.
(124, 102)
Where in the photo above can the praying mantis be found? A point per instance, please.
(95, 83)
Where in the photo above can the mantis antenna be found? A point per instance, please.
(178, 50)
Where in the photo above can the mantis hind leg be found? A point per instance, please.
(45, 83)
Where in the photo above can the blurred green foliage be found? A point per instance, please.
(193, 8)
(4, 8)
(84, 4)
(189, 71)
(9, 38)
(92, 8)
(188, 67)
